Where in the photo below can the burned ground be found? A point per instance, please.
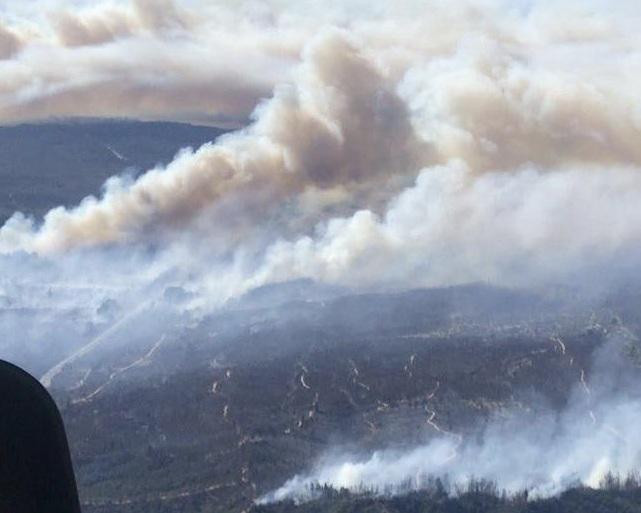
(220, 413)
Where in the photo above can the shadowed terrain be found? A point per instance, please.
(210, 417)
(47, 165)
(170, 411)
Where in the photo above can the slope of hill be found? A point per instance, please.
(215, 415)
(59, 163)
(169, 412)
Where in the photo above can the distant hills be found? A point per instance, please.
(44, 165)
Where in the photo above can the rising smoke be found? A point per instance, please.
(543, 452)
(494, 145)
(413, 144)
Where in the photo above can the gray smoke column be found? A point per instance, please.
(388, 146)
(340, 130)
(10, 43)
(474, 142)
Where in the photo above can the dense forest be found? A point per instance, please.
(615, 494)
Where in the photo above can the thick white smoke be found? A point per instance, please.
(544, 177)
(337, 133)
(542, 452)
(453, 227)
(406, 144)
(481, 142)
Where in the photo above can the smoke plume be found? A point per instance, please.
(543, 452)
(496, 145)
(380, 146)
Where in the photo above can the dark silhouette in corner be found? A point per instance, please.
(36, 475)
